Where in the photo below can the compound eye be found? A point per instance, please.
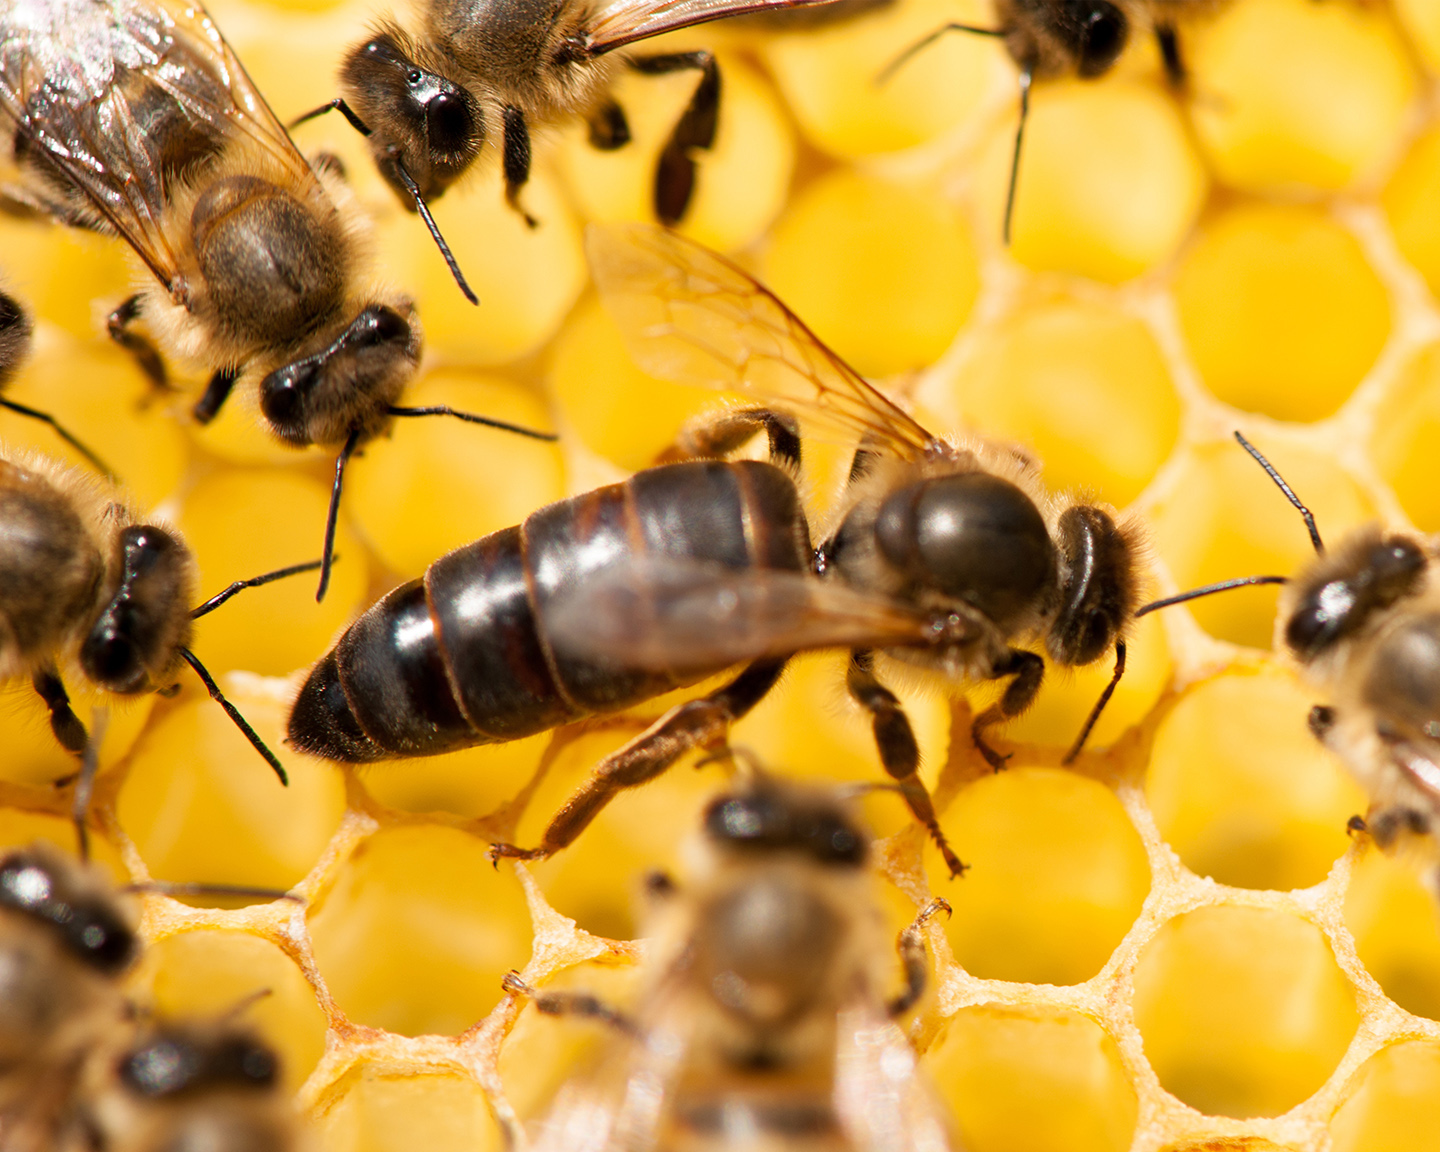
(1103, 32)
(111, 658)
(382, 326)
(283, 392)
(448, 122)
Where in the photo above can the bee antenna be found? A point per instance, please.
(85, 781)
(254, 582)
(885, 74)
(424, 210)
(1209, 590)
(336, 105)
(234, 714)
(182, 888)
(1270, 471)
(63, 433)
(446, 410)
(327, 551)
(1026, 76)
(1099, 704)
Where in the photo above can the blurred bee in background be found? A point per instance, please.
(84, 583)
(1362, 621)
(763, 1022)
(136, 119)
(481, 70)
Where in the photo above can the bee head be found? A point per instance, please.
(39, 882)
(349, 383)
(767, 818)
(1099, 589)
(14, 336)
(1343, 591)
(136, 639)
(174, 1061)
(1095, 31)
(417, 116)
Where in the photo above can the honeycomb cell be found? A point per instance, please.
(391, 1113)
(1391, 1106)
(823, 72)
(276, 628)
(1243, 1011)
(438, 482)
(472, 782)
(1392, 917)
(210, 973)
(1242, 791)
(67, 276)
(1084, 387)
(200, 804)
(1022, 1081)
(1287, 94)
(18, 829)
(1222, 517)
(32, 754)
(1281, 311)
(1109, 183)
(1407, 426)
(418, 931)
(741, 183)
(882, 272)
(102, 399)
(1057, 876)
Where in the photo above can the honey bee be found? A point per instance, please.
(496, 69)
(136, 119)
(84, 583)
(1362, 622)
(763, 1023)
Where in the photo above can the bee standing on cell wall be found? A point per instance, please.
(135, 118)
(763, 1023)
(495, 70)
(946, 556)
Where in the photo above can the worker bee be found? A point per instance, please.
(946, 556)
(84, 583)
(485, 70)
(762, 1023)
(136, 119)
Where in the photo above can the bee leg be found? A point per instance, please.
(118, 325)
(569, 1004)
(911, 946)
(216, 393)
(609, 129)
(899, 753)
(675, 173)
(701, 723)
(715, 437)
(1028, 670)
(63, 722)
(516, 160)
(1169, 43)
(1387, 825)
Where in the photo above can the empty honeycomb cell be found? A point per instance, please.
(472, 782)
(418, 931)
(1243, 1010)
(1108, 186)
(1028, 1081)
(241, 524)
(1069, 695)
(1281, 311)
(1222, 517)
(96, 392)
(884, 273)
(1407, 425)
(527, 278)
(1084, 387)
(1288, 94)
(32, 754)
(1408, 200)
(397, 1113)
(1391, 1105)
(741, 182)
(200, 804)
(438, 482)
(1242, 791)
(1392, 917)
(934, 92)
(44, 264)
(1057, 876)
(211, 974)
(18, 828)
(611, 405)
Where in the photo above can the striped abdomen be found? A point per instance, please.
(461, 657)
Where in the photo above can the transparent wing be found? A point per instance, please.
(884, 1100)
(691, 316)
(680, 616)
(111, 98)
(627, 21)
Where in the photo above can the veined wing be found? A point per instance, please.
(116, 97)
(626, 21)
(884, 1100)
(691, 316)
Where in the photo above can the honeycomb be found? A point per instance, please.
(1172, 945)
